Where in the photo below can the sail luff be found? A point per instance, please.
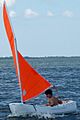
(13, 43)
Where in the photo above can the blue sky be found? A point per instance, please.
(43, 27)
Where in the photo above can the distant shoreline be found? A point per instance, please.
(28, 57)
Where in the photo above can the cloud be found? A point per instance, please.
(68, 13)
(30, 13)
(50, 13)
(8, 2)
(12, 14)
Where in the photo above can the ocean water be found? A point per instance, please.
(63, 72)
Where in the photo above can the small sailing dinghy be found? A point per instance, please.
(31, 83)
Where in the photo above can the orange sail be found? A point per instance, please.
(10, 35)
(32, 83)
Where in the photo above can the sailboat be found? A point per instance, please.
(31, 83)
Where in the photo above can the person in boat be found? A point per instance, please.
(52, 101)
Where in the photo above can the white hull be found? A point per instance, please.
(20, 109)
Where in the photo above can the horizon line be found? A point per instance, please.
(43, 56)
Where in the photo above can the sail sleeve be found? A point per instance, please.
(32, 82)
(10, 35)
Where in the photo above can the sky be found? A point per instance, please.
(43, 27)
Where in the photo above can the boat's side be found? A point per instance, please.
(66, 107)
(18, 109)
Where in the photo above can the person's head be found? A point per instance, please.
(48, 93)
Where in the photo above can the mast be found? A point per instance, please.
(18, 68)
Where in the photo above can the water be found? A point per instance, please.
(63, 72)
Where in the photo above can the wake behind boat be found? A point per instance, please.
(31, 83)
